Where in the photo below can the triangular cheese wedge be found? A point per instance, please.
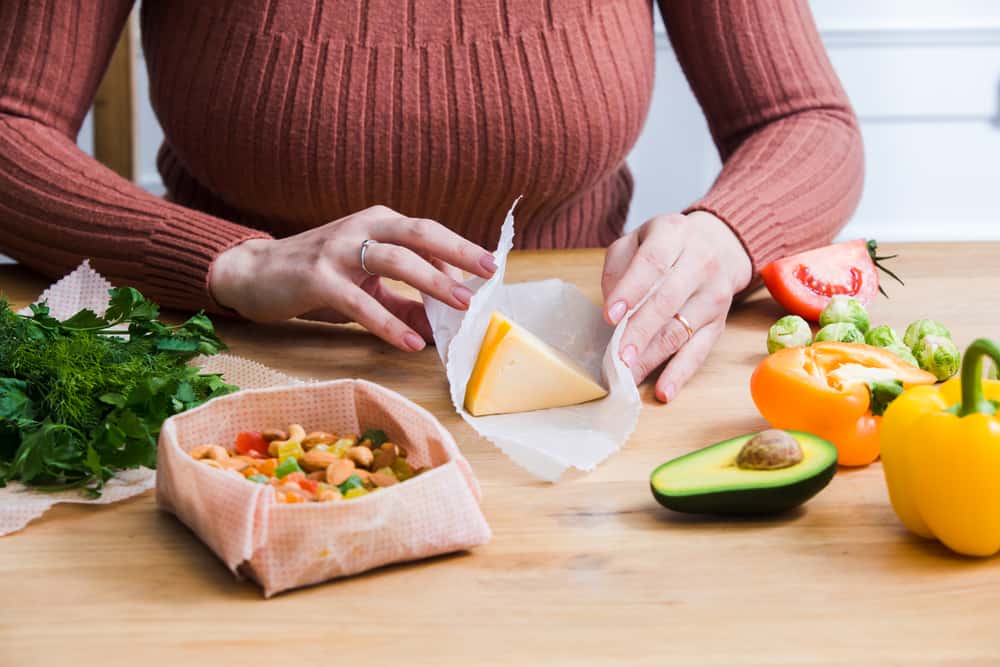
(516, 371)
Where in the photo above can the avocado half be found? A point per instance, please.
(708, 481)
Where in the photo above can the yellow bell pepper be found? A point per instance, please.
(941, 457)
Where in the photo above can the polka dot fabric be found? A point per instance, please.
(284, 546)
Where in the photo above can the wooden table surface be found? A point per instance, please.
(587, 571)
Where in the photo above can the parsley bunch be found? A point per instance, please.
(83, 398)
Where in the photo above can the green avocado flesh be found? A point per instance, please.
(708, 481)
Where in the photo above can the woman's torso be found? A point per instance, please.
(286, 115)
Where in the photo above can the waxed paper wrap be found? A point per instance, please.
(544, 442)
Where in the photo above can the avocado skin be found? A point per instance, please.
(748, 502)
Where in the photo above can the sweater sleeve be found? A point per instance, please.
(59, 206)
(789, 140)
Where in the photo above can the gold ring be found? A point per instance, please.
(364, 249)
(687, 325)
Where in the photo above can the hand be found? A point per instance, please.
(699, 264)
(318, 275)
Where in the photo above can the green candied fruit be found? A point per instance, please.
(938, 355)
(845, 309)
(840, 332)
(260, 479)
(352, 482)
(287, 467)
(917, 330)
(789, 331)
(882, 336)
(903, 353)
(402, 469)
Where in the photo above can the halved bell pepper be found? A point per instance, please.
(941, 457)
(836, 391)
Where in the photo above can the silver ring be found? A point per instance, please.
(687, 325)
(364, 249)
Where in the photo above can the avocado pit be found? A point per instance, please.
(772, 449)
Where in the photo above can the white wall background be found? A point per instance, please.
(924, 77)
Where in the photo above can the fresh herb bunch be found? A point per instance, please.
(83, 398)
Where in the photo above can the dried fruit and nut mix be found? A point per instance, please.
(316, 466)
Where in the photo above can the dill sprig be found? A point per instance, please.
(84, 397)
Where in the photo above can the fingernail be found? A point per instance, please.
(486, 261)
(462, 294)
(413, 341)
(669, 391)
(617, 311)
(629, 355)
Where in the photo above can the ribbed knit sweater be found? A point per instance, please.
(280, 116)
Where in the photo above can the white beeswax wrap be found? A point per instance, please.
(85, 288)
(545, 442)
(283, 546)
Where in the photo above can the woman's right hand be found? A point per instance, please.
(318, 275)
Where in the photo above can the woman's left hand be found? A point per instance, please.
(698, 265)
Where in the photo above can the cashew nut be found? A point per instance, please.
(362, 456)
(274, 434)
(214, 452)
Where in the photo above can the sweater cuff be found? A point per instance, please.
(180, 255)
(752, 223)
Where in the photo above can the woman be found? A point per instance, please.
(414, 124)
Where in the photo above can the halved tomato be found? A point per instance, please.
(804, 283)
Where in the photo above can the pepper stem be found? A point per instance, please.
(973, 400)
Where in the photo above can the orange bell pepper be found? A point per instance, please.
(826, 389)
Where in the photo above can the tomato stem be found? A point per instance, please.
(877, 261)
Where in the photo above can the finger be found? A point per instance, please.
(687, 361)
(447, 269)
(325, 315)
(677, 286)
(428, 237)
(363, 308)
(659, 248)
(700, 310)
(399, 263)
(409, 311)
(616, 261)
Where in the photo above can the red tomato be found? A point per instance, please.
(251, 443)
(804, 283)
(310, 485)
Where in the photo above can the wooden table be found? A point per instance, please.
(586, 571)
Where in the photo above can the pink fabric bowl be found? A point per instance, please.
(283, 546)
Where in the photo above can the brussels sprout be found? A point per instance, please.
(917, 330)
(845, 309)
(789, 331)
(882, 336)
(840, 332)
(882, 393)
(938, 355)
(903, 353)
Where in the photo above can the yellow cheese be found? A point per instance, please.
(516, 371)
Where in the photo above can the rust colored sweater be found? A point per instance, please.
(280, 116)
